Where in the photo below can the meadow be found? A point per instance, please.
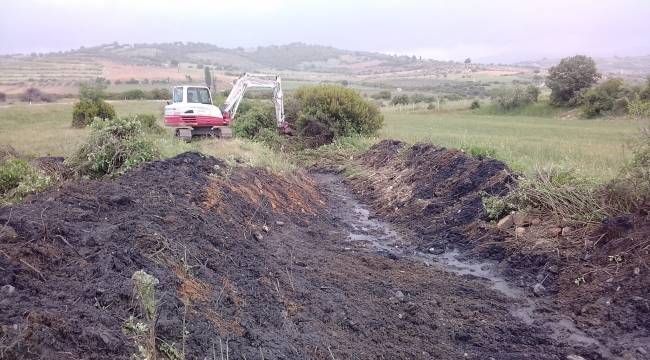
(594, 148)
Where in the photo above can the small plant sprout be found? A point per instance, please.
(580, 280)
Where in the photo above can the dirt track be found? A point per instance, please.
(327, 281)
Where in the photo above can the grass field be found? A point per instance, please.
(595, 148)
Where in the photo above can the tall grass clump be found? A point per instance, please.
(144, 330)
(560, 192)
(113, 147)
(630, 191)
(19, 179)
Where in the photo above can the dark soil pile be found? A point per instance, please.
(432, 190)
(67, 256)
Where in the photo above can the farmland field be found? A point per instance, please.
(594, 148)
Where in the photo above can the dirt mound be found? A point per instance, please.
(597, 275)
(68, 254)
(432, 190)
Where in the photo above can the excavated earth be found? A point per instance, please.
(253, 265)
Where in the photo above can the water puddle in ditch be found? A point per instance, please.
(381, 237)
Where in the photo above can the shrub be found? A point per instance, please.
(630, 191)
(92, 91)
(533, 92)
(507, 99)
(569, 78)
(610, 97)
(339, 110)
(85, 111)
(382, 95)
(474, 105)
(18, 179)
(113, 147)
(401, 99)
(3, 97)
(33, 94)
(149, 123)
(135, 94)
(639, 109)
(249, 123)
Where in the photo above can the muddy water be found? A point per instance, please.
(376, 235)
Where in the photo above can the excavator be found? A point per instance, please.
(192, 113)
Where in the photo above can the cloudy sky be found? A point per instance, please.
(490, 30)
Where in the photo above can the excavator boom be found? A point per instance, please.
(261, 81)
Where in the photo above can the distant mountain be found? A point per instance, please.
(628, 66)
(296, 56)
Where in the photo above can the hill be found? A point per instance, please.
(631, 67)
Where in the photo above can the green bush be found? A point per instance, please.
(149, 123)
(630, 191)
(382, 95)
(508, 99)
(475, 104)
(639, 109)
(85, 111)
(610, 97)
(401, 99)
(113, 147)
(249, 123)
(342, 111)
(18, 179)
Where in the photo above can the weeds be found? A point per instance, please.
(144, 333)
(18, 179)
(113, 147)
(560, 192)
(482, 152)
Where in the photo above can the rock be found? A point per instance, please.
(520, 219)
(265, 228)
(7, 290)
(436, 251)
(637, 271)
(279, 223)
(641, 350)
(575, 357)
(539, 289)
(520, 231)
(566, 231)
(7, 232)
(258, 236)
(554, 231)
(535, 221)
(399, 295)
(505, 223)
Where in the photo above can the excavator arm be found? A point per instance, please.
(262, 81)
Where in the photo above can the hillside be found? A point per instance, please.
(628, 66)
(146, 66)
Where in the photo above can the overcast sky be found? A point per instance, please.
(490, 30)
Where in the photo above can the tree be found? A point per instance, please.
(468, 61)
(3, 97)
(208, 76)
(645, 93)
(92, 91)
(570, 78)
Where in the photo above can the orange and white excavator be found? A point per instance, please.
(192, 113)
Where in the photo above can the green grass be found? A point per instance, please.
(45, 130)
(594, 148)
